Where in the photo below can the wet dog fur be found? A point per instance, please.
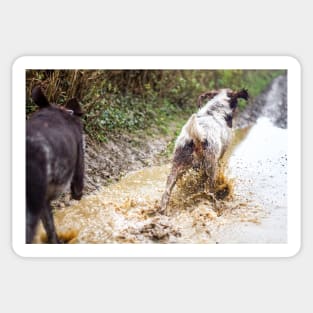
(204, 138)
(54, 160)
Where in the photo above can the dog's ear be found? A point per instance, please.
(74, 105)
(235, 95)
(39, 98)
(243, 94)
(206, 96)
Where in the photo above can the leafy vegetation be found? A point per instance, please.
(131, 100)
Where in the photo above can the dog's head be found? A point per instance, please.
(72, 106)
(232, 95)
(235, 95)
(222, 102)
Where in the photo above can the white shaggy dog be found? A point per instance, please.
(204, 138)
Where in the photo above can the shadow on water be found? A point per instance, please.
(249, 206)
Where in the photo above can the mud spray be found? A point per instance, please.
(127, 212)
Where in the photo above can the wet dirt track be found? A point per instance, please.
(253, 211)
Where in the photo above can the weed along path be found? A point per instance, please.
(251, 206)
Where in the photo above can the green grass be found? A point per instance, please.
(135, 101)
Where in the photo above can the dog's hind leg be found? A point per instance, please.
(176, 173)
(48, 223)
(210, 169)
(31, 225)
(35, 193)
(33, 212)
(182, 161)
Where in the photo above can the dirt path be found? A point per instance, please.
(254, 211)
(272, 103)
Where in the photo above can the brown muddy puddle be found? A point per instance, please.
(252, 207)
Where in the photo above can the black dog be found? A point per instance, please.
(54, 160)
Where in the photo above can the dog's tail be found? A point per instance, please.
(194, 130)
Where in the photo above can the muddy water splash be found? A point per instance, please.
(249, 206)
(259, 166)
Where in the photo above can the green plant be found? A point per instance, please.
(132, 100)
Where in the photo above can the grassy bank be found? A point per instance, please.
(135, 100)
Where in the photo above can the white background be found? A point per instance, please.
(155, 28)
